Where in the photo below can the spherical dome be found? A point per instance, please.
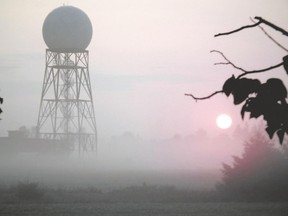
(67, 29)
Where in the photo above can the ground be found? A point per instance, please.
(157, 209)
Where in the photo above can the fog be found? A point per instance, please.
(144, 56)
(191, 162)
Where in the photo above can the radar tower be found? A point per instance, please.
(66, 110)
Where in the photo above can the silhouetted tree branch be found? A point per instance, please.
(245, 72)
(272, 25)
(204, 98)
(239, 29)
(269, 36)
(260, 71)
(261, 20)
(260, 99)
(228, 62)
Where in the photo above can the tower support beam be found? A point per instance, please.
(66, 109)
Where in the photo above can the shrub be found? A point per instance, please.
(28, 191)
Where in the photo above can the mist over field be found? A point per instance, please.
(127, 160)
(126, 72)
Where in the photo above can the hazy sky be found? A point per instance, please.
(144, 55)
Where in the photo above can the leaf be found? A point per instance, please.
(274, 90)
(239, 96)
(280, 134)
(271, 130)
(229, 86)
(243, 110)
(274, 118)
(244, 87)
(252, 105)
(255, 113)
(252, 85)
(285, 118)
(285, 63)
(274, 115)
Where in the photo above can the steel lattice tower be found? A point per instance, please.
(66, 110)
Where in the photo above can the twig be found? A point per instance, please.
(261, 20)
(204, 98)
(227, 61)
(260, 71)
(269, 36)
(245, 72)
(239, 29)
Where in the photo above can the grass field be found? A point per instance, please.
(143, 209)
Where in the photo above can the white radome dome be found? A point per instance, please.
(67, 29)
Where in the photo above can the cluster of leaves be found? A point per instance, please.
(261, 99)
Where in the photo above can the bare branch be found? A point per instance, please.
(245, 72)
(204, 98)
(261, 20)
(261, 70)
(239, 29)
(228, 62)
(270, 37)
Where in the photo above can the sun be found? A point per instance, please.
(224, 121)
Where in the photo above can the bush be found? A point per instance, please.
(28, 191)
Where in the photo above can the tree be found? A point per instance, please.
(259, 99)
(259, 174)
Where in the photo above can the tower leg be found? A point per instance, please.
(66, 108)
